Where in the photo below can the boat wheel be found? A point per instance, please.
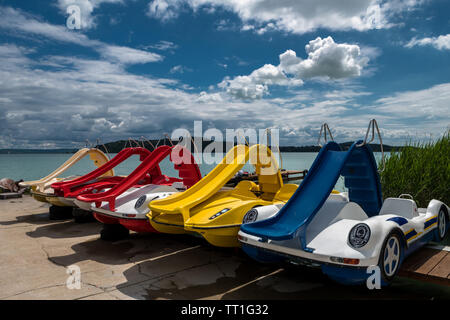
(390, 256)
(442, 224)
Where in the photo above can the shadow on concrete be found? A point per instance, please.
(184, 280)
(136, 248)
(58, 229)
(40, 216)
(230, 275)
(34, 218)
(303, 283)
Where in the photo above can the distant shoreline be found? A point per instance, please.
(115, 147)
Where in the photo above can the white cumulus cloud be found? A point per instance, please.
(441, 42)
(326, 59)
(298, 16)
(255, 85)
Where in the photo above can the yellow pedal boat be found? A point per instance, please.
(216, 213)
(41, 189)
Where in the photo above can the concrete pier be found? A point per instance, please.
(36, 253)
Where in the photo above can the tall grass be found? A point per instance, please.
(421, 169)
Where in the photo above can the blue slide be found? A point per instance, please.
(358, 167)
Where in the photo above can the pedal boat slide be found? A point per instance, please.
(67, 191)
(42, 190)
(216, 213)
(125, 204)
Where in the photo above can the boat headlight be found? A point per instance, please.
(219, 213)
(140, 201)
(250, 216)
(359, 235)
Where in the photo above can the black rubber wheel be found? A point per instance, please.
(441, 224)
(114, 232)
(60, 213)
(390, 257)
(82, 216)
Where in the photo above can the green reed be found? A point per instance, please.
(421, 169)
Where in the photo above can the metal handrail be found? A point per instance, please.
(99, 141)
(246, 142)
(195, 146)
(372, 125)
(159, 140)
(184, 143)
(324, 128)
(137, 143)
(168, 138)
(268, 130)
(144, 138)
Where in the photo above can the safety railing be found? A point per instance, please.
(269, 132)
(371, 128)
(324, 130)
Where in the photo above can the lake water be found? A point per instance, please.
(36, 166)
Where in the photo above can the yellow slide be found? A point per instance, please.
(216, 213)
(206, 187)
(41, 189)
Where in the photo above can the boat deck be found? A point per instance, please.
(431, 264)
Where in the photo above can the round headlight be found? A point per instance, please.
(140, 201)
(359, 235)
(250, 216)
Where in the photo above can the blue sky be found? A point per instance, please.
(146, 67)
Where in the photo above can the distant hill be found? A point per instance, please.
(344, 146)
(116, 146)
(32, 151)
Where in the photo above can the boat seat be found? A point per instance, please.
(352, 211)
(246, 188)
(286, 191)
(406, 208)
(324, 217)
(332, 211)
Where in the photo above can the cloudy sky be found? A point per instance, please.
(146, 67)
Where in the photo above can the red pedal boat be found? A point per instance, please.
(67, 191)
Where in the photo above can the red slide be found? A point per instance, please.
(72, 188)
(149, 169)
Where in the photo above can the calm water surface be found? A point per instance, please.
(36, 166)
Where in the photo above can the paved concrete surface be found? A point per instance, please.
(35, 253)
